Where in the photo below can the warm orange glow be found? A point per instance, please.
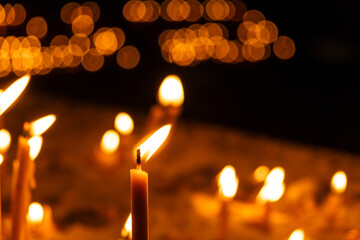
(149, 147)
(228, 182)
(128, 57)
(35, 213)
(40, 125)
(5, 140)
(79, 44)
(35, 143)
(253, 16)
(110, 142)
(171, 92)
(339, 182)
(1, 159)
(274, 186)
(126, 231)
(92, 60)
(37, 26)
(284, 47)
(20, 14)
(83, 24)
(261, 173)
(67, 11)
(297, 234)
(124, 123)
(12, 93)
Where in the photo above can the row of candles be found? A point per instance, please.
(28, 217)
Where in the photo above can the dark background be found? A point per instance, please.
(312, 98)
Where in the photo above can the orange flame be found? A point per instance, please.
(39, 126)
(124, 123)
(110, 142)
(339, 182)
(12, 93)
(5, 140)
(274, 186)
(260, 173)
(149, 147)
(171, 92)
(1, 159)
(126, 231)
(297, 234)
(35, 143)
(35, 213)
(228, 182)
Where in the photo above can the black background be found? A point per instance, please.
(312, 98)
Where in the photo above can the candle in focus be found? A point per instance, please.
(139, 184)
(297, 234)
(228, 185)
(126, 232)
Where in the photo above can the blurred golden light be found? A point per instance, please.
(242, 30)
(234, 52)
(67, 10)
(253, 50)
(183, 53)
(120, 37)
(284, 47)
(79, 44)
(178, 10)
(126, 231)
(2, 15)
(59, 40)
(5, 140)
(240, 8)
(128, 57)
(81, 10)
(150, 145)
(110, 142)
(124, 123)
(297, 234)
(339, 182)
(12, 93)
(35, 213)
(67, 56)
(57, 56)
(35, 144)
(222, 48)
(171, 92)
(10, 14)
(20, 14)
(83, 24)
(92, 60)
(94, 8)
(217, 10)
(228, 182)
(261, 173)
(105, 41)
(1, 159)
(253, 16)
(37, 26)
(40, 125)
(266, 31)
(274, 186)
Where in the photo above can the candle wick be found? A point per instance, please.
(138, 158)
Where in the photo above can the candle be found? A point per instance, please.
(107, 155)
(228, 185)
(297, 234)
(272, 191)
(139, 184)
(170, 98)
(40, 220)
(125, 126)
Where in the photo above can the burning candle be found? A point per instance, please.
(126, 232)
(139, 184)
(297, 234)
(170, 99)
(272, 191)
(39, 219)
(228, 185)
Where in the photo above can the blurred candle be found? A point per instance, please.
(126, 232)
(228, 185)
(297, 234)
(39, 219)
(5, 140)
(139, 184)
(125, 126)
(106, 154)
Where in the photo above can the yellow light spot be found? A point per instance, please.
(5, 140)
(274, 186)
(339, 182)
(261, 173)
(35, 143)
(266, 31)
(153, 143)
(40, 125)
(37, 26)
(128, 57)
(1, 159)
(105, 41)
(228, 182)
(297, 234)
(171, 92)
(126, 231)
(124, 123)
(92, 60)
(35, 213)
(284, 47)
(110, 142)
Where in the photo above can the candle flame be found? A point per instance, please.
(171, 92)
(5, 140)
(149, 147)
(297, 234)
(35, 143)
(261, 173)
(40, 125)
(124, 123)
(126, 231)
(110, 142)
(12, 93)
(35, 213)
(1, 159)
(274, 186)
(339, 182)
(228, 182)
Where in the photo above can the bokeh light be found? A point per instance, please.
(128, 57)
(284, 47)
(83, 24)
(37, 26)
(92, 60)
